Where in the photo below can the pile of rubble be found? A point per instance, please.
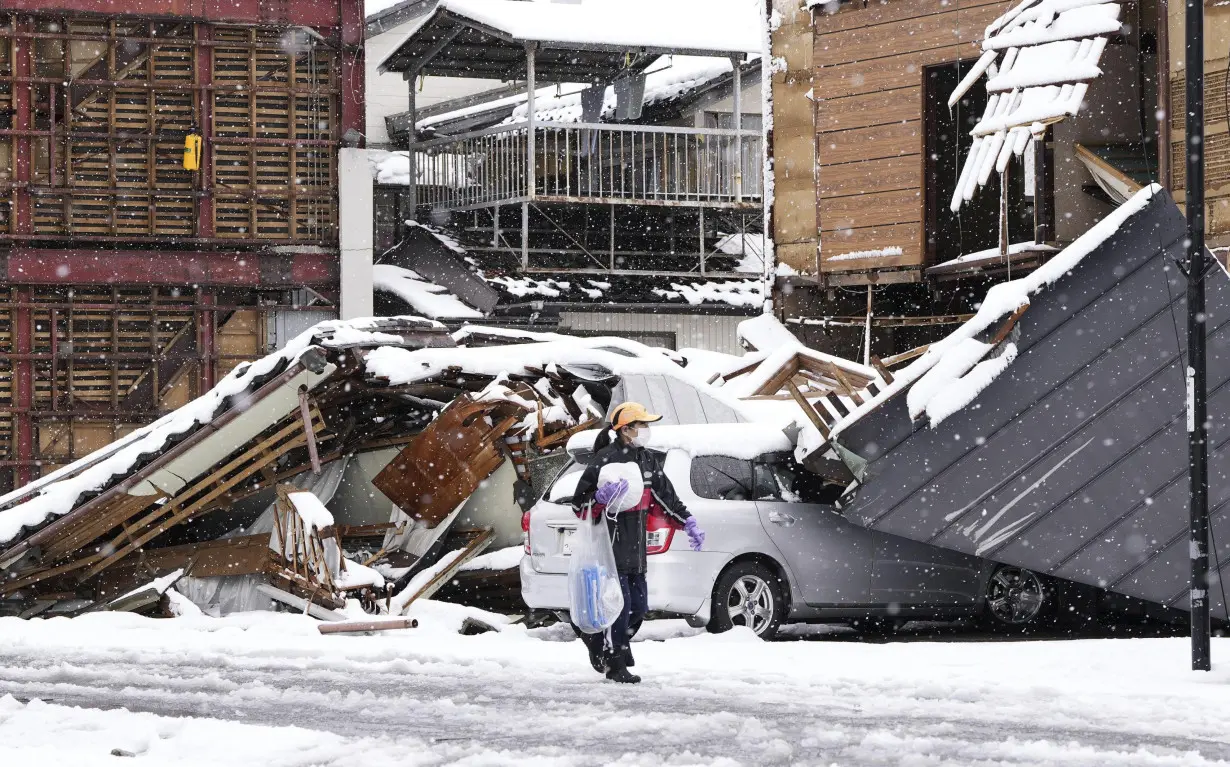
(373, 460)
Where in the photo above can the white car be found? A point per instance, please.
(776, 549)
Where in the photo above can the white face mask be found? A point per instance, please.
(642, 437)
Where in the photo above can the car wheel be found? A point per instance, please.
(1016, 597)
(748, 594)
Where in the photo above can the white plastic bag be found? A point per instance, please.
(630, 472)
(594, 594)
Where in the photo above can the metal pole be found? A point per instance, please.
(412, 182)
(737, 63)
(612, 238)
(531, 168)
(1197, 411)
(701, 242)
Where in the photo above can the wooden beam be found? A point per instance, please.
(810, 411)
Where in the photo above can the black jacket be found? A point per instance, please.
(628, 529)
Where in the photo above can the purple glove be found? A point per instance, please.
(696, 536)
(610, 491)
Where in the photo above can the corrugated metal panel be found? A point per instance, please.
(676, 401)
(715, 333)
(1074, 461)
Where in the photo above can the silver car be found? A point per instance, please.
(777, 550)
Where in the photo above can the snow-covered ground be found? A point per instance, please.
(268, 690)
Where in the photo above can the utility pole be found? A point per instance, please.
(1197, 408)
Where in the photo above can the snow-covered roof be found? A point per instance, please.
(955, 369)
(669, 78)
(720, 26)
(1039, 59)
(597, 34)
(425, 297)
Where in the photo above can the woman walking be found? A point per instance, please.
(622, 446)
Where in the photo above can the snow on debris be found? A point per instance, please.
(857, 255)
(311, 511)
(423, 296)
(765, 333)
(739, 293)
(57, 493)
(528, 286)
(356, 575)
(1013, 249)
(503, 559)
(1051, 52)
(720, 26)
(667, 79)
(1000, 301)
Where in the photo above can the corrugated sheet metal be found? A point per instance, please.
(1074, 461)
(676, 401)
(715, 333)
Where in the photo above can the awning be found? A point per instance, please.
(576, 43)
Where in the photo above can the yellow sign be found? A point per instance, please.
(192, 152)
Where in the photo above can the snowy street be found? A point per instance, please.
(269, 690)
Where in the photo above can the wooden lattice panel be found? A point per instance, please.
(111, 112)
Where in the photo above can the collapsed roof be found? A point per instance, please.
(1049, 431)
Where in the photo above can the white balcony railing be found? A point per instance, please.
(587, 162)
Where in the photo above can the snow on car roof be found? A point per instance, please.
(733, 440)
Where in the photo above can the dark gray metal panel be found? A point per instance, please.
(1074, 461)
(422, 253)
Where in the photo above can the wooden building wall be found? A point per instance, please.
(97, 111)
(1216, 116)
(795, 234)
(868, 67)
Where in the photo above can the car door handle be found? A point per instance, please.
(778, 518)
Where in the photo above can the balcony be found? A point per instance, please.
(590, 163)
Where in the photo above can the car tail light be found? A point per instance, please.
(658, 534)
(525, 531)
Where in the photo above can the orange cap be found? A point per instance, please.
(631, 412)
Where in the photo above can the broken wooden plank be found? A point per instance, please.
(471, 550)
(311, 608)
(812, 415)
(882, 369)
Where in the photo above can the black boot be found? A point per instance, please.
(596, 659)
(618, 672)
(629, 661)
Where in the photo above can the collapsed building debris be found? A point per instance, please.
(1074, 464)
(370, 460)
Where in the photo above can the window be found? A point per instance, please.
(947, 140)
(565, 484)
(722, 478)
(780, 478)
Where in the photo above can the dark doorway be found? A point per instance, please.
(975, 227)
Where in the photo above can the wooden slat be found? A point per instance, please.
(862, 144)
(883, 209)
(936, 30)
(868, 109)
(892, 174)
(906, 236)
(855, 15)
(902, 71)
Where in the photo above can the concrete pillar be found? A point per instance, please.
(355, 191)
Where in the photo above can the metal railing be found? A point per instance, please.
(586, 162)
